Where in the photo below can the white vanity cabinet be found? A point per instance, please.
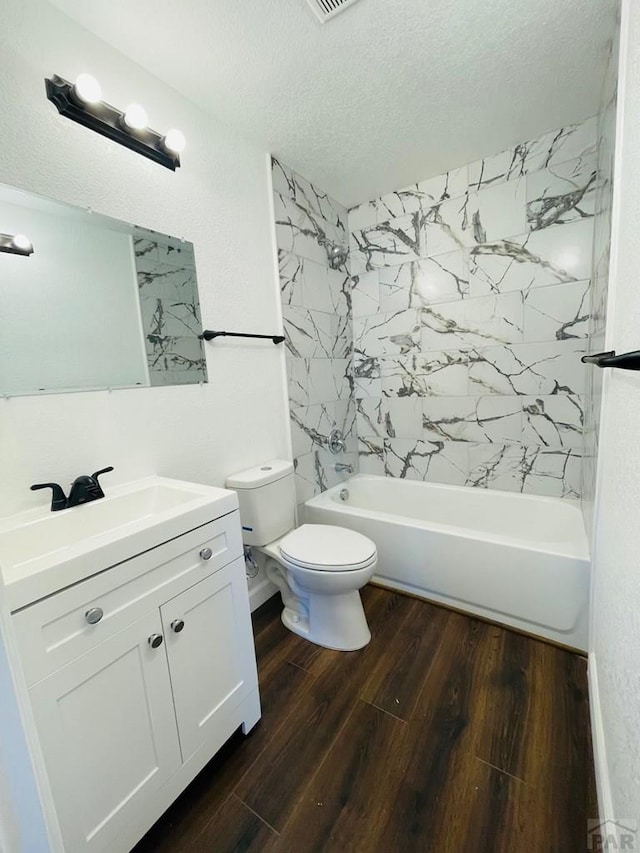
(130, 707)
(108, 735)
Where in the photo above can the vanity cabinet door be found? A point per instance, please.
(108, 734)
(211, 657)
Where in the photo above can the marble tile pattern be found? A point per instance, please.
(599, 290)
(170, 310)
(471, 303)
(317, 315)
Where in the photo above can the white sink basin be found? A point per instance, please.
(43, 551)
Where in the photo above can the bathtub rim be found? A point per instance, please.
(326, 500)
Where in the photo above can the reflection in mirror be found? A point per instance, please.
(99, 304)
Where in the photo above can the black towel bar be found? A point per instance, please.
(625, 361)
(208, 335)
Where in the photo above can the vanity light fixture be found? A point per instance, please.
(87, 90)
(82, 102)
(16, 244)
(174, 141)
(135, 117)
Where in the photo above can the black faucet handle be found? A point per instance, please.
(58, 497)
(101, 471)
(95, 477)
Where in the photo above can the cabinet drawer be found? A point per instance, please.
(55, 631)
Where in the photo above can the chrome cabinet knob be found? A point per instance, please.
(94, 615)
(177, 625)
(155, 640)
(206, 553)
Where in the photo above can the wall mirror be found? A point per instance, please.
(98, 304)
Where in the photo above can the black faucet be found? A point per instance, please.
(83, 490)
(58, 497)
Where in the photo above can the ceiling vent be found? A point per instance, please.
(325, 9)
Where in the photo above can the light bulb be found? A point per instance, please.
(136, 117)
(87, 89)
(174, 141)
(21, 242)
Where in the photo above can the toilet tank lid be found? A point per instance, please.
(261, 475)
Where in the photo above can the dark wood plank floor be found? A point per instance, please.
(444, 734)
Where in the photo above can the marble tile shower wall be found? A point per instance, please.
(470, 313)
(600, 279)
(316, 306)
(170, 312)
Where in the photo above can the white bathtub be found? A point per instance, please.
(521, 560)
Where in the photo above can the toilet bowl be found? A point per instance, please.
(319, 584)
(318, 568)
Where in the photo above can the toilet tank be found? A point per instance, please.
(267, 501)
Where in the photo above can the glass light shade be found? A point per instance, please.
(174, 141)
(20, 241)
(87, 89)
(136, 117)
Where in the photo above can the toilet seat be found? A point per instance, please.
(327, 548)
(319, 567)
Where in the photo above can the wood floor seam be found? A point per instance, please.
(309, 783)
(259, 755)
(430, 667)
(276, 729)
(384, 710)
(500, 770)
(259, 816)
(299, 666)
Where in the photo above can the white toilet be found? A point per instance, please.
(318, 568)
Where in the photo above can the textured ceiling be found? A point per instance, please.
(384, 94)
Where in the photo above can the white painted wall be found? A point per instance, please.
(69, 315)
(219, 200)
(615, 643)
